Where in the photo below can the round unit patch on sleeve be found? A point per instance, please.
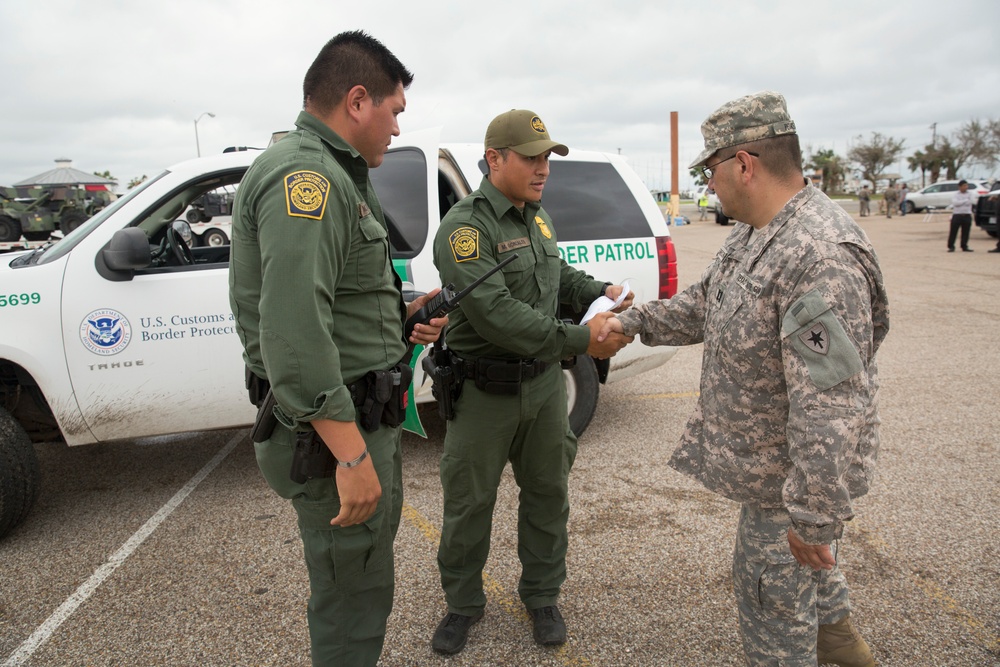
(464, 244)
(306, 194)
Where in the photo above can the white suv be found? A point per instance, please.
(939, 195)
(122, 330)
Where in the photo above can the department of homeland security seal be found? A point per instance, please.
(105, 332)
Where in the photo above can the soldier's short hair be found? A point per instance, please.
(780, 156)
(351, 59)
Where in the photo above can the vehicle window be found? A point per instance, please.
(932, 188)
(949, 187)
(589, 201)
(401, 185)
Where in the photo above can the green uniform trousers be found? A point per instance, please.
(351, 570)
(781, 603)
(531, 430)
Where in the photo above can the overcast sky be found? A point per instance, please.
(117, 85)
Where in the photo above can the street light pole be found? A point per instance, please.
(196, 143)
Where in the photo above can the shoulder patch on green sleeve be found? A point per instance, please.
(306, 194)
(819, 338)
(465, 244)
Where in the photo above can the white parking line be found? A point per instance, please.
(66, 609)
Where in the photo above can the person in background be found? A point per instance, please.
(703, 204)
(962, 203)
(903, 191)
(864, 201)
(791, 313)
(890, 197)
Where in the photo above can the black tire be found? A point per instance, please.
(720, 217)
(19, 475)
(582, 389)
(910, 208)
(71, 221)
(10, 229)
(193, 216)
(214, 238)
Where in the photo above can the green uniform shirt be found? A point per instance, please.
(316, 300)
(513, 314)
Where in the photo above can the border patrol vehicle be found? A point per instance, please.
(123, 330)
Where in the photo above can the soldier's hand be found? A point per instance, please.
(816, 556)
(425, 334)
(359, 491)
(613, 292)
(605, 344)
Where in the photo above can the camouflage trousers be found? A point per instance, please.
(781, 603)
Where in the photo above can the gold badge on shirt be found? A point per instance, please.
(546, 232)
(465, 244)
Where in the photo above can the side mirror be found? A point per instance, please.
(127, 251)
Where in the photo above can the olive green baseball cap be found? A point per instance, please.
(749, 118)
(523, 132)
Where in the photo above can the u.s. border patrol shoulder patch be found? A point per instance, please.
(306, 194)
(464, 244)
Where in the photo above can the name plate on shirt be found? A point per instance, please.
(513, 244)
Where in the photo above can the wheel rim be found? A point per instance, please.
(570, 390)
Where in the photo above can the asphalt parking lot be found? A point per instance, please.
(173, 551)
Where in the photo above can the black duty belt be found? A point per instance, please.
(501, 376)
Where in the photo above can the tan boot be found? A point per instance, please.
(840, 644)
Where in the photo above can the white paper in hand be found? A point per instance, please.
(603, 304)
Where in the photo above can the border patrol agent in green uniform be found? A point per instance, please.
(507, 342)
(320, 314)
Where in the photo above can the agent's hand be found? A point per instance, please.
(608, 346)
(613, 292)
(358, 487)
(359, 491)
(425, 334)
(816, 556)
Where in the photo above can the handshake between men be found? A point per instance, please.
(606, 333)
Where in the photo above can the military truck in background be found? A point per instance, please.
(36, 212)
(211, 204)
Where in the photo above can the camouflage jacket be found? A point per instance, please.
(790, 320)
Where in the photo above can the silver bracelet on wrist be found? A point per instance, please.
(350, 464)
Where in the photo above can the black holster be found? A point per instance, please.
(263, 425)
(447, 375)
(311, 459)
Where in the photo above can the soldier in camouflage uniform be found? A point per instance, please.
(791, 312)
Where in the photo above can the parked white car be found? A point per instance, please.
(939, 195)
(122, 330)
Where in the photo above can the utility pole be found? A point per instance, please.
(933, 135)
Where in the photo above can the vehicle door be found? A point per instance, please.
(407, 187)
(156, 352)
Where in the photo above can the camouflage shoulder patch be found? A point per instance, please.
(819, 338)
(465, 244)
(306, 194)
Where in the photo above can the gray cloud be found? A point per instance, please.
(117, 85)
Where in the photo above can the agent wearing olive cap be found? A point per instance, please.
(791, 313)
(512, 406)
